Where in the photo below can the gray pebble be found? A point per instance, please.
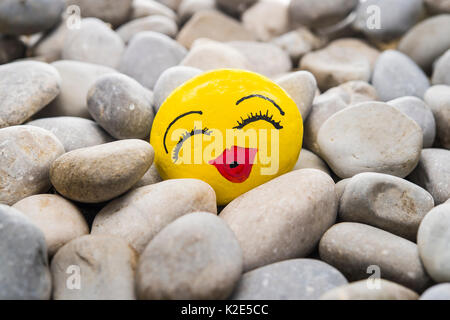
(437, 292)
(160, 24)
(438, 99)
(150, 177)
(441, 74)
(114, 12)
(188, 8)
(145, 8)
(308, 160)
(235, 7)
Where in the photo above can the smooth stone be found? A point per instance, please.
(280, 63)
(361, 290)
(427, 40)
(417, 110)
(212, 25)
(24, 273)
(51, 44)
(94, 42)
(171, 79)
(433, 239)
(57, 218)
(188, 8)
(438, 99)
(172, 4)
(141, 214)
(308, 160)
(266, 19)
(340, 187)
(148, 55)
(235, 7)
(26, 154)
(160, 24)
(354, 247)
(121, 106)
(386, 202)
(370, 137)
(74, 133)
(25, 88)
(11, 48)
(28, 17)
(114, 12)
(145, 8)
(438, 6)
(396, 17)
(396, 75)
(273, 227)
(94, 268)
(208, 252)
(433, 173)
(101, 173)
(441, 74)
(437, 292)
(353, 92)
(296, 279)
(302, 87)
(150, 177)
(320, 13)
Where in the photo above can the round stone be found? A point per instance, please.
(438, 99)
(441, 67)
(145, 8)
(114, 12)
(308, 160)
(160, 24)
(437, 292)
(188, 8)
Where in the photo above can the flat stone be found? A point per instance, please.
(145, 8)
(203, 245)
(11, 48)
(142, 213)
(101, 173)
(437, 292)
(114, 12)
(26, 154)
(160, 24)
(438, 99)
(308, 160)
(441, 67)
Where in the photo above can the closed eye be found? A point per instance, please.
(257, 117)
(186, 136)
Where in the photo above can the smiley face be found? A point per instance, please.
(233, 129)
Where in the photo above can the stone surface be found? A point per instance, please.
(235, 7)
(417, 110)
(441, 74)
(195, 257)
(24, 273)
(114, 12)
(188, 8)
(367, 290)
(308, 160)
(11, 48)
(51, 44)
(57, 218)
(94, 268)
(145, 8)
(139, 215)
(74, 133)
(297, 279)
(353, 247)
(433, 239)
(148, 55)
(121, 106)
(94, 42)
(396, 75)
(26, 154)
(386, 202)
(427, 40)
(101, 173)
(437, 292)
(284, 218)
(172, 4)
(370, 137)
(160, 24)
(438, 99)
(433, 173)
(438, 6)
(26, 88)
(150, 177)
(266, 19)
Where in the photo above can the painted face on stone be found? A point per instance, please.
(233, 129)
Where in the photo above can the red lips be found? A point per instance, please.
(235, 164)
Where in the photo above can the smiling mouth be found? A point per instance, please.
(236, 163)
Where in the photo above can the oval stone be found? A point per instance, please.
(438, 99)
(114, 12)
(156, 23)
(437, 292)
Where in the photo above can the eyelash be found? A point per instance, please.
(186, 136)
(258, 116)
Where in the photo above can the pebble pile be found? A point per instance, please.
(85, 215)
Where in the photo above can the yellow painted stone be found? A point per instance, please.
(233, 129)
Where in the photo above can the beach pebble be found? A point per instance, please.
(121, 106)
(378, 289)
(147, 56)
(266, 19)
(235, 7)
(396, 75)
(26, 154)
(145, 8)
(433, 239)
(11, 48)
(438, 99)
(433, 173)
(195, 257)
(24, 273)
(427, 40)
(74, 133)
(172, 4)
(308, 160)
(140, 214)
(437, 292)
(101, 173)
(93, 42)
(94, 268)
(386, 202)
(160, 24)
(57, 218)
(438, 6)
(114, 12)
(296, 279)
(171, 79)
(50, 45)
(212, 25)
(188, 8)
(357, 249)
(150, 177)
(417, 110)
(287, 215)
(370, 137)
(340, 187)
(28, 17)
(25, 88)
(441, 74)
